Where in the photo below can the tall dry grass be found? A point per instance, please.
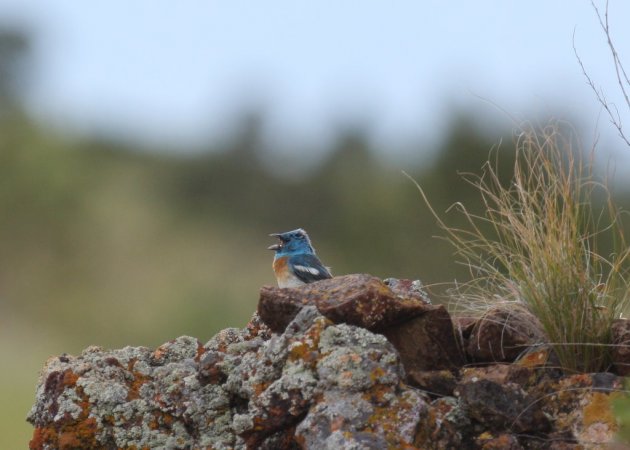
(537, 243)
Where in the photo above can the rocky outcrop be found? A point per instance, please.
(315, 384)
(332, 373)
(399, 309)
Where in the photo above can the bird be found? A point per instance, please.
(295, 262)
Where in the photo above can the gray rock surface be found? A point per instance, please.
(317, 385)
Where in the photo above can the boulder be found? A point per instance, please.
(399, 309)
(503, 333)
(246, 389)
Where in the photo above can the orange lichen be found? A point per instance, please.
(260, 388)
(599, 409)
(534, 359)
(161, 419)
(200, 351)
(138, 380)
(387, 418)
(489, 442)
(306, 349)
(303, 351)
(43, 437)
(377, 373)
(377, 394)
(77, 434)
(67, 433)
(69, 378)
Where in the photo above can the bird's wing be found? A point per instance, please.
(309, 268)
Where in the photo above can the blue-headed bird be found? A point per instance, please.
(295, 262)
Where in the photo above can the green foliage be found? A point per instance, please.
(537, 243)
(621, 409)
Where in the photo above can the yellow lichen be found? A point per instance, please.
(599, 409)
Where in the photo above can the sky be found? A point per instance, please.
(181, 73)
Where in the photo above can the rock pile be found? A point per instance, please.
(347, 363)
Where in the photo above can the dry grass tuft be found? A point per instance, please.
(536, 244)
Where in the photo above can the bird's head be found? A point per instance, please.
(294, 242)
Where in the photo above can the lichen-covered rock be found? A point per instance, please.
(348, 420)
(404, 288)
(504, 406)
(317, 385)
(422, 333)
(243, 389)
(445, 426)
(503, 441)
(581, 407)
(129, 397)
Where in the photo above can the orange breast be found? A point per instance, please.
(280, 266)
(284, 276)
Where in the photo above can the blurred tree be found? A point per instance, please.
(15, 56)
(464, 151)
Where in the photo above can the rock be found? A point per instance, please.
(463, 328)
(422, 333)
(356, 420)
(446, 426)
(538, 356)
(427, 341)
(244, 389)
(360, 300)
(132, 396)
(407, 289)
(433, 382)
(503, 333)
(499, 373)
(501, 406)
(504, 441)
(580, 407)
(621, 346)
(319, 385)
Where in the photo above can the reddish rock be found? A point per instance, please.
(498, 373)
(503, 333)
(487, 441)
(422, 333)
(621, 346)
(408, 289)
(538, 356)
(463, 327)
(427, 341)
(361, 300)
(437, 383)
(501, 407)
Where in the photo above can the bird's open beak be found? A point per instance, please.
(275, 246)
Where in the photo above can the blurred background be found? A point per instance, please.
(147, 149)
